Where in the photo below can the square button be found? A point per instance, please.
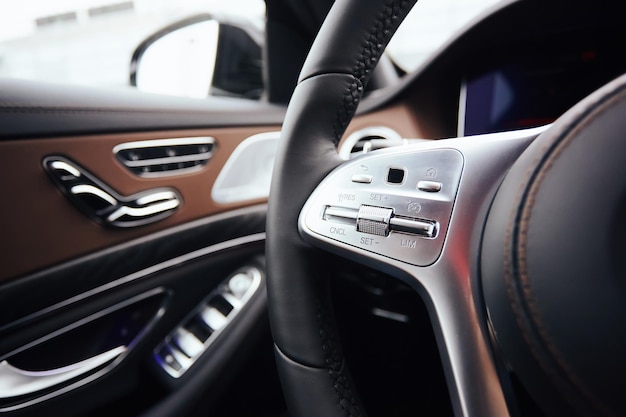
(395, 175)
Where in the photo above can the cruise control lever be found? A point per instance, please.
(380, 221)
(103, 204)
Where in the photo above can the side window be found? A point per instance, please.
(92, 42)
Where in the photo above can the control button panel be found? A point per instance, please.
(182, 347)
(402, 212)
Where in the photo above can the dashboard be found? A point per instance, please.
(520, 66)
(537, 80)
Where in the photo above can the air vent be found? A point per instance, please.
(369, 139)
(163, 157)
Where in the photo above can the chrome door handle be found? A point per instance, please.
(15, 382)
(103, 204)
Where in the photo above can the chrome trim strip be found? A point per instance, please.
(177, 171)
(460, 127)
(15, 382)
(143, 212)
(390, 315)
(258, 237)
(64, 166)
(163, 142)
(510, 135)
(151, 198)
(90, 189)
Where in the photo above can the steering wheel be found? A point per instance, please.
(514, 241)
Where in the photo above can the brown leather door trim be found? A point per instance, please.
(40, 227)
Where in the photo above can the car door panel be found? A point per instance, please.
(183, 282)
(183, 287)
(67, 281)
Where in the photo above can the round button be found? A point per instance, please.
(239, 284)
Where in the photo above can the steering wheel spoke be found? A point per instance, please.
(397, 204)
(412, 212)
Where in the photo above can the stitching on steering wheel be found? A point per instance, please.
(351, 98)
(373, 48)
(520, 292)
(378, 38)
(335, 363)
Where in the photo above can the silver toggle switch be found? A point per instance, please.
(374, 220)
(341, 214)
(424, 228)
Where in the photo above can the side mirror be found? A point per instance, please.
(199, 56)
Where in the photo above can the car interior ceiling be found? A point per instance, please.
(385, 326)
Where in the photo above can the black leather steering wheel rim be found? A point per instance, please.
(331, 83)
(555, 292)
